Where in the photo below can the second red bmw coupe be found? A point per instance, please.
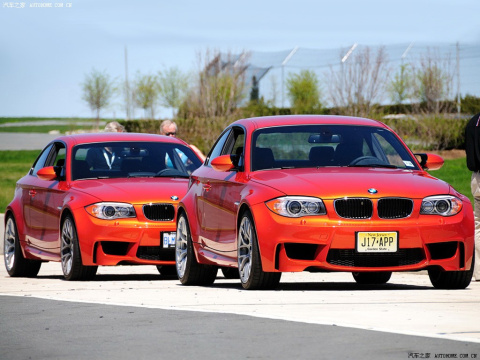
(321, 193)
(98, 199)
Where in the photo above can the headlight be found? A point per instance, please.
(296, 206)
(111, 210)
(444, 205)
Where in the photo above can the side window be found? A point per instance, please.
(53, 155)
(366, 149)
(390, 153)
(237, 149)
(218, 147)
(59, 159)
(168, 162)
(182, 159)
(41, 160)
(239, 142)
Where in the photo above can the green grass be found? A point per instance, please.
(4, 120)
(16, 164)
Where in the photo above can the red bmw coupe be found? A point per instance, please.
(321, 193)
(98, 199)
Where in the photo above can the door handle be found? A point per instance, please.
(207, 187)
(32, 193)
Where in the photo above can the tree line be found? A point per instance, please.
(216, 92)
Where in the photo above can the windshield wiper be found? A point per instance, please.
(183, 176)
(387, 166)
(95, 178)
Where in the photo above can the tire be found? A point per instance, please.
(189, 271)
(250, 269)
(71, 258)
(167, 270)
(15, 262)
(230, 273)
(451, 280)
(372, 278)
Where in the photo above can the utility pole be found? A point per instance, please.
(240, 59)
(344, 59)
(404, 55)
(402, 69)
(127, 87)
(284, 62)
(459, 107)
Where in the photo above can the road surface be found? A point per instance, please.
(131, 311)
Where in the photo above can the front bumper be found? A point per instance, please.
(327, 243)
(123, 241)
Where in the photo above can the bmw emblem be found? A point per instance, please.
(372, 191)
(174, 197)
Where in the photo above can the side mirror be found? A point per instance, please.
(430, 161)
(223, 163)
(48, 173)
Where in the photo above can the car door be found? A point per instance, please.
(221, 197)
(202, 186)
(43, 200)
(30, 200)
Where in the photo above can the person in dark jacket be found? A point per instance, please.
(472, 150)
(106, 158)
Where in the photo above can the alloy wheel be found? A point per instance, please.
(9, 244)
(181, 247)
(67, 246)
(245, 249)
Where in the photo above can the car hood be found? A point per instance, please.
(137, 191)
(352, 182)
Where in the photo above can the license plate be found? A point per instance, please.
(377, 241)
(169, 240)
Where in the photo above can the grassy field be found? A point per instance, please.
(455, 172)
(16, 164)
(4, 120)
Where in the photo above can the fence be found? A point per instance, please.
(275, 67)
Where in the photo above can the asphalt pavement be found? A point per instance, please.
(95, 331)
(132, 312)
(25, 141)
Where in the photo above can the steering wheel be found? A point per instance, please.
(367, 160)
(169, 171)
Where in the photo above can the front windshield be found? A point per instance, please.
(326, 146)
(132, 159)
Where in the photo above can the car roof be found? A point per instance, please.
(86, 138)
(285, 120)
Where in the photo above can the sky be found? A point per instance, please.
(45, 52)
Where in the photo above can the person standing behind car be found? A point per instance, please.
(114, 126)
(169, 128)
(472, 150)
